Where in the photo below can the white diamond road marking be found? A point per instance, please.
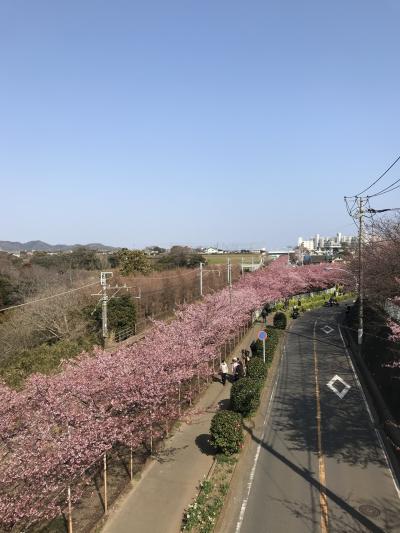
(327, 329)
(346, 389)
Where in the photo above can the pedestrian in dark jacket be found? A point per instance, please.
(264, 315)
(239, 371)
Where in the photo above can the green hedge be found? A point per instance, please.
(256, 369)
(226, 426)
(226, 432)
(245, 395)
(270, 345)
(280, 320)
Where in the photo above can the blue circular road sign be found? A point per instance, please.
(262, 335)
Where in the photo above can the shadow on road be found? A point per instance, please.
(305, 474)
(351, 435)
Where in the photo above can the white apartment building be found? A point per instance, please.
(324, 244)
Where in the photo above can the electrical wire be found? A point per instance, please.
(92, 284)
(389, 188)
(350, 210)
(49, 297)
(380, 177)
(165, 278)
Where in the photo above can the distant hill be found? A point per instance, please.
(40, 246)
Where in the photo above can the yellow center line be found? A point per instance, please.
(323, 501)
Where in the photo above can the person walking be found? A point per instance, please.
(224, 371)
(239, 371)
(246, 359)
(264, 316)
(234, 366)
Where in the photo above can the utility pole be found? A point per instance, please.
(201, 279)
(104, 301)
(229, 271)
(242, 267)
(360, 271)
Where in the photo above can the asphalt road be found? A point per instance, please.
(318, 464)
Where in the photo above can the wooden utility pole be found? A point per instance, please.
(360, 271)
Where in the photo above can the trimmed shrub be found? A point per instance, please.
(256, 369)
(280, 320)
(226, 432)
(270, 345)
(245, 396)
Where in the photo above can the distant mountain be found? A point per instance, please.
(40, 246)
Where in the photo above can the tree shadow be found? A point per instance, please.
(167, 455)
(202, 442)
(224, 404)
(99, 488)
(300, 511)
(340, 523)
(348, 435)
(345, 421)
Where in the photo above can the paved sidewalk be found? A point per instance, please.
(157, 502)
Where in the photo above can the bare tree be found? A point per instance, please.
(381, 252)
(49, 320)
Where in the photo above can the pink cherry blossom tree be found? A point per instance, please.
(59, 425)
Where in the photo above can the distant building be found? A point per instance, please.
(259, 251)
(212, 251)
(323, 245)
(274, 254)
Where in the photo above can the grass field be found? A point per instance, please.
(236, 259)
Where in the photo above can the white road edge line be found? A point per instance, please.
(253, 469)
(381, 443)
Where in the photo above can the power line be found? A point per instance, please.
(350, 210)
(91, 285)
(380, 177)
(387, 189)
(49, 297)
(165, 278)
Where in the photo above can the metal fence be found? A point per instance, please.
(125, 333)
(392, 310)
(86, 499)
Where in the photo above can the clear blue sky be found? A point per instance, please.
(200, 122)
